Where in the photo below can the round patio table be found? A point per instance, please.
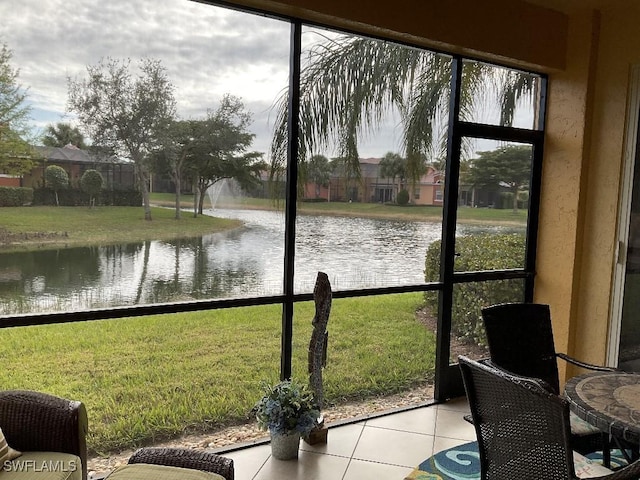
(608, 400)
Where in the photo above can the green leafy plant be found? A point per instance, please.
(57, 179)
(402, 197)
(286, 408)
(91, 183)
(478, 252)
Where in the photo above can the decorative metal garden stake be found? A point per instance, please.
(318, 351)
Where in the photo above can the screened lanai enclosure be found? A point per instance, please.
(310, 139)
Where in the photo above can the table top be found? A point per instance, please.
(608, 400)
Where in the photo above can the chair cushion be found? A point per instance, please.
(586, 468)
(581, 427)
(6, 452)
(43, 466)
(145, 471)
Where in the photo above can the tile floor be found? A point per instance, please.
(382, 448)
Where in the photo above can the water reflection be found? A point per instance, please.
(247, 261)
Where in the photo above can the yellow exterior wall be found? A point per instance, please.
(565, 173)
(618, 50)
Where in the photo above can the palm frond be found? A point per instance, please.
(348, 85)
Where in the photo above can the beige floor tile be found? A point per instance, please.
(384, 448)
(459, 404)
(247, 462)
(450, 424)
(441, 443)
(341, 441)
(308, 466)
(361, 470)
(420, 420)
(393, 447)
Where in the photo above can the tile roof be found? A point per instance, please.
(71, 153)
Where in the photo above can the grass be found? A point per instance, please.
(42, 227)
(151, 378)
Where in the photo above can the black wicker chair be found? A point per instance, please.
(520, 339)
(523, 428)
(185, 458)
(39, 422)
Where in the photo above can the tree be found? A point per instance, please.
(508, 167)
(177, 146)
(16, 154)
(221, 150)
(318, 171)
(125, 114)
(62, 134)
(91, 183)
(349, 84)
(56, 179)
(393, 166)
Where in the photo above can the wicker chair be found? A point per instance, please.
(523, 429)
(184, 458)
(520, 339)
(39, 422)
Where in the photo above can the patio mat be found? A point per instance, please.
(463, 463)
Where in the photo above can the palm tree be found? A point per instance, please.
(62, 134)
(393, 166)
(348, 84)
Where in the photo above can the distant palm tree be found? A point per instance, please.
(62, 134)
(393, 166)
(349, 84)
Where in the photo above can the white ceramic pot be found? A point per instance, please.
(285, 447)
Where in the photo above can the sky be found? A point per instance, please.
(208, 51)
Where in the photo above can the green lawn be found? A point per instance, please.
(41, 227)
(151, 378)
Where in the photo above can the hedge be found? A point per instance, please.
(72, 197)
(478, 252)
(15, 196)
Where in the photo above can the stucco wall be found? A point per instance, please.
(582, 178)
(565, 170)
(619, 49)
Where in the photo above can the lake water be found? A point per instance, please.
(248, 261)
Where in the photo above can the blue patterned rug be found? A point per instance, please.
(463, 463)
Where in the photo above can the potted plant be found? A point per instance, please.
(288, 410)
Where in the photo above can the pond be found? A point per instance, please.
(244, 262)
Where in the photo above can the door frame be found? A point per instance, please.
(624, 214)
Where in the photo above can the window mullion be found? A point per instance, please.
(293, 121)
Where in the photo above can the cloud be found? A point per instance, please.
(208, 51)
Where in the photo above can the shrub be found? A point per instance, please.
(69, 197)
(91, 183)
(73, 197)
(478, 252)
(402, 198)
(15, 196)
(121, 198)
(56, 179)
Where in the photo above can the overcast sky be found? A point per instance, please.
(207, 51)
